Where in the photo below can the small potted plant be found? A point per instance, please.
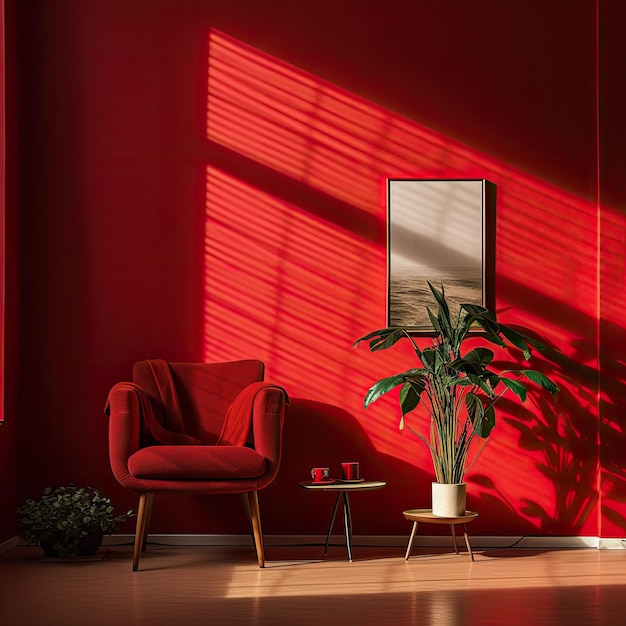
(458, 388)
(68, 521)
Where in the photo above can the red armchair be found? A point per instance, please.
(195, 428)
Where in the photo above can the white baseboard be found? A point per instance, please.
(9, 544)
(375, 541)
(536, 542)
(612, 544)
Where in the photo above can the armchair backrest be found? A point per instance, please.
(205, 391)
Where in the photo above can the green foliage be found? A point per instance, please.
(65, 515)
(458, 390)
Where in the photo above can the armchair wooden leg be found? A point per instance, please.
(140, 531)
(255, 514)
(147, 522)
(246, 505)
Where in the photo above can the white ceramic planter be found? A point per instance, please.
(448, 500)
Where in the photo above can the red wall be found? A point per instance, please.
(612, 271)
(9, 443)
(206, 180)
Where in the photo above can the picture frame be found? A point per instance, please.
(442, 231)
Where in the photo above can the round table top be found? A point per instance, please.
(426, 516)
(338, 485)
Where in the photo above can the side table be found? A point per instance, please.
(342, 489)
(426, 516)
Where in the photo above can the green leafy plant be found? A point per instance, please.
(459, 389)
(63, 516)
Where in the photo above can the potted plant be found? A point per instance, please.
(458, 388)
(68, 521)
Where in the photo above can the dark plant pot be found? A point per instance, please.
(87, 546)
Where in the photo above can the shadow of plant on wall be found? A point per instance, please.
(567, 438)
(569, 464)
(569, 453)
(613, 433)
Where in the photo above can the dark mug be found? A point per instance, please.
(350, 470)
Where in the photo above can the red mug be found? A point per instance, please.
(318, 474)
(350, 471)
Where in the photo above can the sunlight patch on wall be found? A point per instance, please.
(336, 142)
(282, 285)
(294, 123)
(296, 289)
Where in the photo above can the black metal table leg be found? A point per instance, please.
(342, 493)
(347, 522)
(332, 521)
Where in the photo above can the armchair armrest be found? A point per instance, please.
(258, 409)
(268, 413)
(124, 412)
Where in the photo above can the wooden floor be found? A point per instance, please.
(221, 586)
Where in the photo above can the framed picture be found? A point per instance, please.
(442, 231)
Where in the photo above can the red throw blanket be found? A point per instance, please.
(238, 420)
(167, 391)
(152, 431)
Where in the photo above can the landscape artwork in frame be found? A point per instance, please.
(440, 231)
